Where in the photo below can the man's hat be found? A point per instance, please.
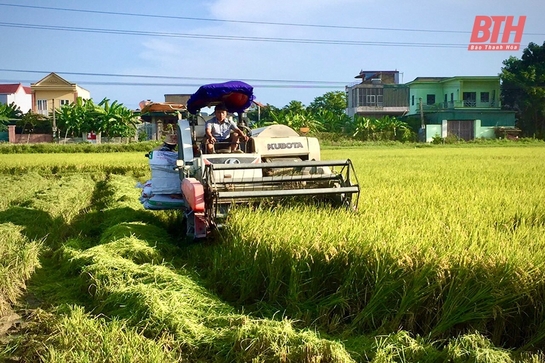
(171, 139)
(220, 107)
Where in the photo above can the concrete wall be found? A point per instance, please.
(433, 130)
(27, 138)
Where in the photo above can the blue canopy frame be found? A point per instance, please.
(237, 96)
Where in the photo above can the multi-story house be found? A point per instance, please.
(17, 94)
(464, 106)
(53, 91)
(378, 94)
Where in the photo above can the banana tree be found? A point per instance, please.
(116, 120)
(9, 112)
(330, 121)
(391, 128)
(68, 120)
(77, 118)
(364, 128)
(297, 120)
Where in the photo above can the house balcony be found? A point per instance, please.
(380, 109)
(449, 105)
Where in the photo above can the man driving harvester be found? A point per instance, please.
(221, 130)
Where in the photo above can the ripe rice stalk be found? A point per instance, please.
(404, 248)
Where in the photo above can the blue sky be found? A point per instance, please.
(287, 49)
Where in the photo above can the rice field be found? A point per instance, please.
(442, 261)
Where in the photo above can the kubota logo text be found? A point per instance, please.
(486, 33)
(285, 145)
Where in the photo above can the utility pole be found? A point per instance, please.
(54, 128)
(422, 123)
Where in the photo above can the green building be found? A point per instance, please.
(465, 106)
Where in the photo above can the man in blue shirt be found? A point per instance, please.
(220, 129)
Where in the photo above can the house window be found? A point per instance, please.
(42, 107)
(470, 99)
(412, 100)
(430, 99)
(485, 97)
(361, 95)
(65, 102)
(370, 97)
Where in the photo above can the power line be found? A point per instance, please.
(299, 82)
(178, 85)
(234, 21)
(228, 37)
(269, 86)
(175, 17)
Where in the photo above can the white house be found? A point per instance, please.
(18, 94)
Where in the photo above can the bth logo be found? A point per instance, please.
(486, 33)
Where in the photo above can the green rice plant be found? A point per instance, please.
(21, 187)
(476, 348)
(18, 260)
(72, 335)
(446, 242)
(401, 347)
(45, 206)
(129, 272)
(98, 165)
(77, 148)
(441, 244)
(157, 299)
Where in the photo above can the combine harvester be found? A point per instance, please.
(275, 163)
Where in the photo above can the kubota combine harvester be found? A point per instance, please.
(275, 163)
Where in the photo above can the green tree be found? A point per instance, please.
(364, 128)
(76, 118)
(31, 121)
(334, 102)
(116, 120)
(64, 117)
(386, 128)
(331, 121)
(523, 89)
(294, 107)
(9, 112)
(109, 118)
(262, 116)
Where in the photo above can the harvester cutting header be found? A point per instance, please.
(249, 165)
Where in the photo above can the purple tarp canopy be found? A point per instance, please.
(237, 96)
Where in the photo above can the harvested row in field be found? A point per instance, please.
(18, 260)
(128, 276)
